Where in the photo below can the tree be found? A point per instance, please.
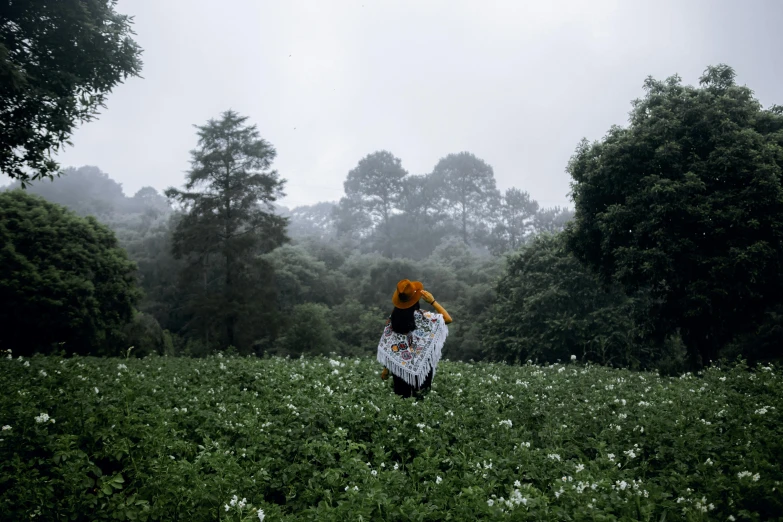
(351, 222)
(58, 62)
(64, 281)
(552, 220)
(687, 203)
(468, 185)
(549, 307)
(298, 277)
(375, 185)
(514, 220)
(228, 222)
(312, 220)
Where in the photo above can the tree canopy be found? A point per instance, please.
(58, 63)
(687, 204)
(64, 281)
(468, 185)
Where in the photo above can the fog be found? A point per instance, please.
(518, 84)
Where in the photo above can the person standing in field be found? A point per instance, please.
(412, 341)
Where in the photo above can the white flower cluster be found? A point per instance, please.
(513, 501)
(702, 505)
(6, 428)
(554, 456)
(631, 453)
(506, 423)
(755, 477)
(44, 417)
(122, 367)
(235, 502)
(336, 363)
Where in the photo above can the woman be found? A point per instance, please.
(412, 341)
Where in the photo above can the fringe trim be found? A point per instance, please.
(432, 358)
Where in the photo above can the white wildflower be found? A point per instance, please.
(506, 423)
(261, 515)
(6, 428)
(573, 357)
(438, 480)
(490, 502)
(121, 367)
(26, 363)
(580, 467)
(554, 456)
(44, 417)
(374, 473)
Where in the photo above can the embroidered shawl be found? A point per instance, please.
(411, 356)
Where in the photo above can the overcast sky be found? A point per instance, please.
(517, 83)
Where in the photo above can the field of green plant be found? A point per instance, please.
(232, 438)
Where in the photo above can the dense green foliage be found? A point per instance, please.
(58, 61)
(687, 204)
(64, 281)
(549, 306)
(325, 439)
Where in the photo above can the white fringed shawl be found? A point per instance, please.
(411, 356)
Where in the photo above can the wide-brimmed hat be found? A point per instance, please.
(407, 293)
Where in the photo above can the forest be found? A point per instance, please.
(670, 260)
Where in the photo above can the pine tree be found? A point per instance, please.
(228, 222)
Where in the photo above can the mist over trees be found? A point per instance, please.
(671, 259)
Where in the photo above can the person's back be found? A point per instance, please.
(412, 340)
